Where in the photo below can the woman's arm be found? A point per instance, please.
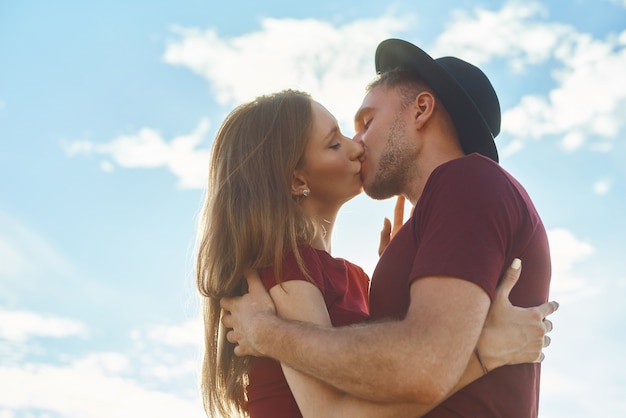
(511, 335)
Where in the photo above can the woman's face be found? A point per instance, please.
(331, 166)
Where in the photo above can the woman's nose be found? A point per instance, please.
(359, 147)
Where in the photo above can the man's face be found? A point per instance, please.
(389, 159)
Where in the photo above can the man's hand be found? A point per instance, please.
(513, 335)
(244, 316)
(389, 230)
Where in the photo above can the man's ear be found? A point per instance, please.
(423, 108)
(298, 183)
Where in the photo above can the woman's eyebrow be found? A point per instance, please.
(332, 133)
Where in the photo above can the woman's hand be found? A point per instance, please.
(513, 335)
(389, 230)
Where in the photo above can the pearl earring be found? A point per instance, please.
(306, 192)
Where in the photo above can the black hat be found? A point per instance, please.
(464, 90)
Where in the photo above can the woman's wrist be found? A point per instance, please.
(488, 350)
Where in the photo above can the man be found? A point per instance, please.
(427, 127)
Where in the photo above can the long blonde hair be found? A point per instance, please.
(249, 220)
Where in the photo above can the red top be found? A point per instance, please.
(471, 221)
(344, 287)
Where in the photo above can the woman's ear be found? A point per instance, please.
(298, 184)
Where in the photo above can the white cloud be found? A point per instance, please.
(584, 334)
(589, 97)
(148, 149)
(566, 250)
(175, 370)
(603, 147)
(188, 333)
(81, 390)
(513, 147)
(107, 166)
(168, 352)
(572, 141)
(109, 363)
(510, 33)
(602, 186)
(334, 67)
(155, 378)
(19, 326)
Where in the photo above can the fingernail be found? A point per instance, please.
(516, 264)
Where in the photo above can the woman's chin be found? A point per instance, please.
(357, 193)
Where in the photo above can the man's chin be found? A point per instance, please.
(377, 194)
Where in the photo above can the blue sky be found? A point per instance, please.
(107, 114)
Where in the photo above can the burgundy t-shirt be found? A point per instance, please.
(471, 221)
(345, 289)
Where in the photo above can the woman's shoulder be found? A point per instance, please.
(291, 269)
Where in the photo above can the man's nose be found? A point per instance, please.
(358, 138)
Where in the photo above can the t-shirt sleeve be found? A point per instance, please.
(464, 223)
(361, 278)
(291, 270)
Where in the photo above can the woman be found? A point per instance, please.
(280, 172)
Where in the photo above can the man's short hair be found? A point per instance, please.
(408, 83)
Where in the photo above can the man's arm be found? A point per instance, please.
(511, 335)
(418, 359)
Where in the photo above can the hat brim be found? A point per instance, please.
(472, 129)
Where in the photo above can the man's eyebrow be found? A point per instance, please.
(361, 111)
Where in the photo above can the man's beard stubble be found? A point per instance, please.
(394, 165)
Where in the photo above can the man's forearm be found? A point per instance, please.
(418, 359)
(367, 361)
